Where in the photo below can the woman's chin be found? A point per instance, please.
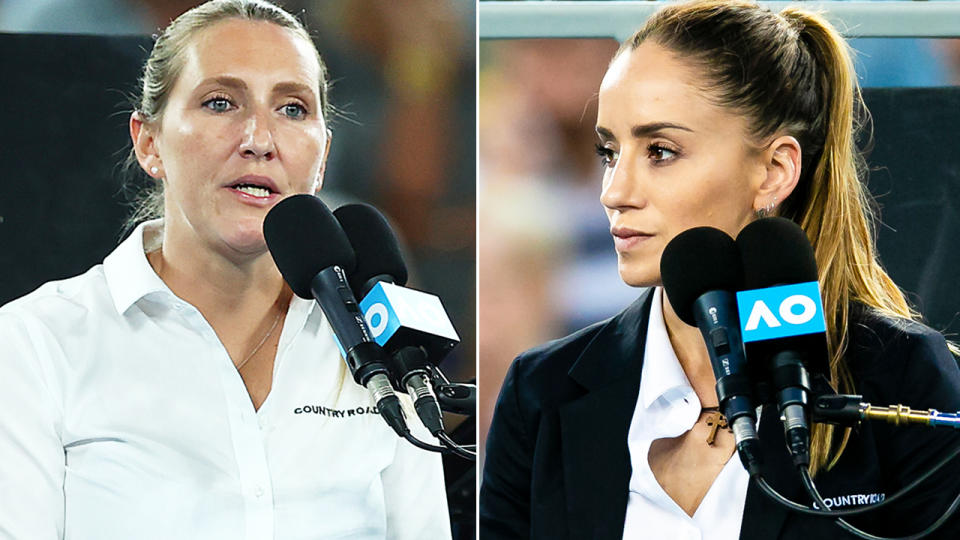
(246, 238)
(636, 275)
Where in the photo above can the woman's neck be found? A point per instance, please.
(692, 353)
(216, 285)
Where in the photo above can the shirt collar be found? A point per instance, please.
(130, 277)
(127, 271)
(661, 370)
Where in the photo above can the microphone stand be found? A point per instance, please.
(456, 398)
(850, 410)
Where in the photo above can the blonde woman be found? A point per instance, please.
(711, 114)
(180, 390)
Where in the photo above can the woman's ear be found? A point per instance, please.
(323, 165)
(145, 146)
(782, 161)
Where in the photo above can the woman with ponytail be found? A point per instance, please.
(713, 114)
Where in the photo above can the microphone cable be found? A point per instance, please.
(802, 509)
(467, 452)
(456, 448)
(770, 492)
(424, 445)
(812, 490)
(450, 446)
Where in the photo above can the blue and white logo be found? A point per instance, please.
(778, 312)
(388, 307)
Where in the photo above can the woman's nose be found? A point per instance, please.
(257, 142)
(621, 186)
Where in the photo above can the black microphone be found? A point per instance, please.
(375, 246)
(700, 269)
(397, 316)
(783, 324)
(379, 260)
(314, 256)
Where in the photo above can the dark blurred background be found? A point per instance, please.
(404, 140)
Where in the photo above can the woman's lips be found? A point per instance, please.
(625, 239)
(255, 190)
(254, 200)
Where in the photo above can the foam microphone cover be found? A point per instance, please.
(775, 251)
(304, 238)
(697, 261)
(374, 244)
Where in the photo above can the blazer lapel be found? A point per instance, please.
(594, 427)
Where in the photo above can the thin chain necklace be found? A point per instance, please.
(159, 270)
(273, 327)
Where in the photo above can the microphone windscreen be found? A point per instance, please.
(775, 251)
(304, 238)
(374, 244)
(697, 261)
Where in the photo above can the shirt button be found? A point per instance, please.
(258, 492)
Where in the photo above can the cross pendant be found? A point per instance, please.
(716, 421)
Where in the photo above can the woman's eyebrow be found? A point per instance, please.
(286, 87)
(642, 130)
(645, 130)
(225, 80)
(605, 134)
(292, 88)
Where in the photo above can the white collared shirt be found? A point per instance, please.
(122, 416)
(667, 407)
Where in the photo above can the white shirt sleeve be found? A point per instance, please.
(413, 489)
(32, 461)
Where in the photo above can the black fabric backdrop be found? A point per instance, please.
(63, 133)
(915, 177)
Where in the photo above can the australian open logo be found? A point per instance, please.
(779, 312)
(335, 413)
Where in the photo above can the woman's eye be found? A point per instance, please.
(607, 156)
(218, 104)
(660, 153)
(294, 110)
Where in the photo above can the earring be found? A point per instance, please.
(154, 170)
(766, 210)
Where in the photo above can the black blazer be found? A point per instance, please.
(558, 467)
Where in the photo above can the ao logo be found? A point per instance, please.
(760, 312)
(777, 312)
(388, 307)
(377, 317)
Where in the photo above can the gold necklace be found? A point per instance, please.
(262, 341)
